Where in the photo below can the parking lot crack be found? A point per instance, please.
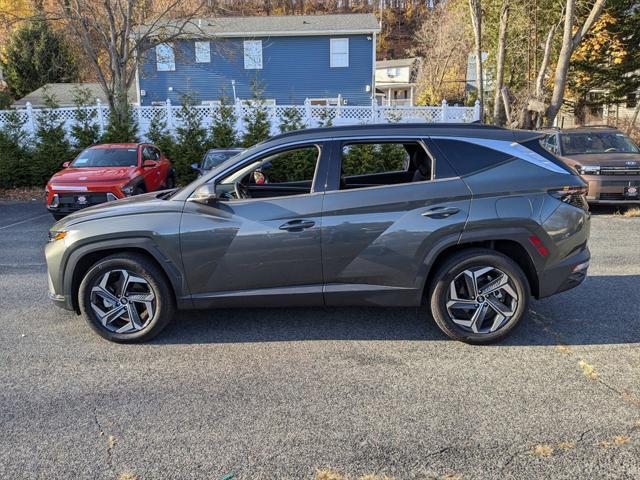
(111, 440)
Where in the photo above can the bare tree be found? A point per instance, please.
(442, 46)
(115, 34)
(476, 22)
(570, 42)
(502, 40)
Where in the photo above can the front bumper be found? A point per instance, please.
(609, 189)
(62, 301)
(565, 275)
(69, 201)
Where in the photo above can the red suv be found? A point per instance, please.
(103, 173)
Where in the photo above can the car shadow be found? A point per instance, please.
(604, 310)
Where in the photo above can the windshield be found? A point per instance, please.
(107, 157)
(596, 142)
(215, 158)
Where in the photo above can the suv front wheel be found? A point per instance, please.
(126, 298)
(479, 296)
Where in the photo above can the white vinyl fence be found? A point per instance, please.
(312, 115)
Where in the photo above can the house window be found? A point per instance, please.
(339, 52)
(203, 52)
(165, 58)
(252, 54)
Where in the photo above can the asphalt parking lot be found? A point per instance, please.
(278, 394)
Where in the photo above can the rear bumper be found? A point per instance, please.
(565, 275)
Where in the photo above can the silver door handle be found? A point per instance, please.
(297, 225)
(440, 212)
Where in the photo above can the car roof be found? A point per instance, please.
(116, 145)
(583, 129)
(230, 149)
(417, 130)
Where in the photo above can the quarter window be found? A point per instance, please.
(339, 52)
(165, 58)
(253, 54)
(203, 52)
(467, 157)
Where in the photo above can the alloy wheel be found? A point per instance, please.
(123, 301)
(482, 299)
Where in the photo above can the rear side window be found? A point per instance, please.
(467, 158)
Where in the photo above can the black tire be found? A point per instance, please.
(468, 259)
(58, 216)
(158, 284)
(170, 183)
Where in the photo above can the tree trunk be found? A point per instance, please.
(570, 41)
(502, 40)
(632, 124)
(546, 57)
(476, 21)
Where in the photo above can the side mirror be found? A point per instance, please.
(196, 167)
(149, 163)
(66, 164)
(204, 193)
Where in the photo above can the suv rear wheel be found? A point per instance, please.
(126, 298)
(479, 296)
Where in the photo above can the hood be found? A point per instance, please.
(145, 203)
(97, 174)
(604, 159)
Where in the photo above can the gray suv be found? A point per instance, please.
(468, 220)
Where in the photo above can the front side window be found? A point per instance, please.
(213, 158)
(290, 172)
(596, 142)
(203, 52)
(106, 157)
(339, 52)
(165, 58)
(370, 164)
(253, 54)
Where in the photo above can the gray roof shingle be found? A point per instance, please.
(274, 25)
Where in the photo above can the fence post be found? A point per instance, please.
(139, 111)
(374, 110)
(307, 112)
(100, 116)
(476, 111)
(169, 115)
(30, 120)
(339, 107)
(443, 112)
(239, 119)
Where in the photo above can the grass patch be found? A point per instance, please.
(543, 450)
(329, 474)
(632, 212)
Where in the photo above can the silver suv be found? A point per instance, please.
(468, 221)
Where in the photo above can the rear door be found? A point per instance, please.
(389, 204)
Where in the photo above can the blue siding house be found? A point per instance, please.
(322, 58)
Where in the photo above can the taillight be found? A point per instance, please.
(576, 196)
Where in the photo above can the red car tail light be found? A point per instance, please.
(544, 251)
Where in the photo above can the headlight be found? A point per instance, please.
(56, 235)
(588, 169)
(128, 188)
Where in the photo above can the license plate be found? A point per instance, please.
(631, 192)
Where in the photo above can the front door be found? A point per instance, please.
(386, 207)
(259, 243)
